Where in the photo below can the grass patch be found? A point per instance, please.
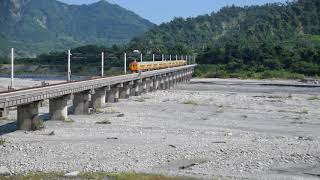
(98, 110)
(2, 141)
(220, 110)
(37, 124)
(304, 111)
(97, 175)
(111, 110)
(140, 99)
(37, 176)
(191, 102)
(313, 98)
(68, 120)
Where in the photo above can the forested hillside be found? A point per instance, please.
(274, 40)
(41, 26)
(271, 39)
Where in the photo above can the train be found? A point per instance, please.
(135, 66)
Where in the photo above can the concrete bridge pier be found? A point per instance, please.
(117, 92)
(28, 114)
(184, 77)
(132, 89)
(162, 82)
(180, 77)
(171, 85)
(144, 85)
(167, 82)
(81, 103)
(177, 78)
(189, 75)
(58, 108)
(110, 95)
(4, 113)
(174, 79)
(125, 91)
(150, 85)
(98, 99)
(137, 87)
(155, 83)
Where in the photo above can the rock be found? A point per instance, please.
(52, 133)
(4, 171)
(72, 174)
(120, 115)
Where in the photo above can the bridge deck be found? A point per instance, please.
(19, 97)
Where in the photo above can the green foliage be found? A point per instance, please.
(37, 124)
(274, 40)
(35, 27)
(86, 60)
(2, 141)
(221, 71)
(313, 98)
(97, 175)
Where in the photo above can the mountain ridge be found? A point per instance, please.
(41, 26)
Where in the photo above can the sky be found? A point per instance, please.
(159, 11)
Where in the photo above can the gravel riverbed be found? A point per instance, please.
(209, 128)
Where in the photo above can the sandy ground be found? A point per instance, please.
(209, 128)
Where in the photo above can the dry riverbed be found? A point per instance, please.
(206, 129)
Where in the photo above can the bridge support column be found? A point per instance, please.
(4, 113)
(58, 108)
(81, 103)
(155, 83)
(28, 114)
(110, 95)
(137, 88)
(98, 99)
(125, 91)
(179, 77)
(189, 75)
(171, 81)
(150, 88)
(175, 79)
(148, 85)
(132, 89)
(162, 83)
(117, 92)
(184, 77)
(144, 85)
(166, 82)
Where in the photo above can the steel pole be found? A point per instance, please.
(162, 57)
(125, 63)
(153, 58)
(102, 64)
(12, 68)
(177, 57)
(170, 58)
(69, 65)
(141, 57)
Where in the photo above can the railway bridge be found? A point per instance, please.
(88, 94)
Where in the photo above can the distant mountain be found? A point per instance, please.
(254, 23)
(245, 39)
(40, 26)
